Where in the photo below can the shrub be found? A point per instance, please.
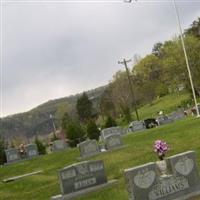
(92, 130)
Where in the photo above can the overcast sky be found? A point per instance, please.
(52, 50)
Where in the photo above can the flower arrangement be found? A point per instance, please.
(160, 147)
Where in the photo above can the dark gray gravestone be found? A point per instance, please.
(59, 145)
(80, 177)
(181, 182)
(177, 115)
(112, 131)
(31, 150)
(88, 148)
(12, 155)
(162, 120)
(137, 126)
(113, 142)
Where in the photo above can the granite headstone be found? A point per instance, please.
(59, 145)
(81, 177)
(113, 142)
(112, 131)
(31, 150)
(88, 148)
(181, 182)
(137, 126)
(12, 155)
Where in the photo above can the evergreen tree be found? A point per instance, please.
(110, 122)
(84, 107)
(2, 151)
(41, 147)
(74, 132)
(92, 130)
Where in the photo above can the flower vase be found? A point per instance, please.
(162, 166)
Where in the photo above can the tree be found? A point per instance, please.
(73, 130)
(40, 146)
(84, 107)
(92, 130)
(2, 151)
(194, 29)
(157, 49)
(110, 122)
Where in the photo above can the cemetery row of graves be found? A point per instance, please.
(175, 177)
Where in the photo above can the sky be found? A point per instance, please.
(54, 49)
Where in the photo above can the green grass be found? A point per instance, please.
(167, 104)
(182, 136)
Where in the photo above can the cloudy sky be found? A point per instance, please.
(52, 50)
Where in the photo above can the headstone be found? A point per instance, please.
(81, 177)
(177, 115)
(182, 181)
(88, 148)
(113, 142)
(12, 155)
(137, 126)
(162, 120)
(31, 150)
(112, 131)
(59, 145)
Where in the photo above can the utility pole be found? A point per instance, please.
(186, 58)
(124, 62)
(54, 127)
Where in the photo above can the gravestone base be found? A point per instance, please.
(82, 192)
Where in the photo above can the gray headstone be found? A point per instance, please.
(88, 148)
(82, 175)
(181, 182)
(177, 115)
(31, 150)
(164, 120)
(137, 126)
(113, 142)
(112, 131)
(12, 155)
(59, 145)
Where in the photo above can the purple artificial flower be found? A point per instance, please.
(160, 147)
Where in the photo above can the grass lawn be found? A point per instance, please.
(182, 136)
(167, 104)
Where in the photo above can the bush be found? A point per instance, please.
(41, 147)
(110, 122)
(92, 130)
(74, 132)
(2, 151)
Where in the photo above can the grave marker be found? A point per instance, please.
(113, 142)
(137, 126)
(12, 155)
(59, 145)
(112, 131)
(81, 178)
(181, 182)
(31, 150)
(88, 148)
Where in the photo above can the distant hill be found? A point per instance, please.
(37, 121)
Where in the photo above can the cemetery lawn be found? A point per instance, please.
(183, 135)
